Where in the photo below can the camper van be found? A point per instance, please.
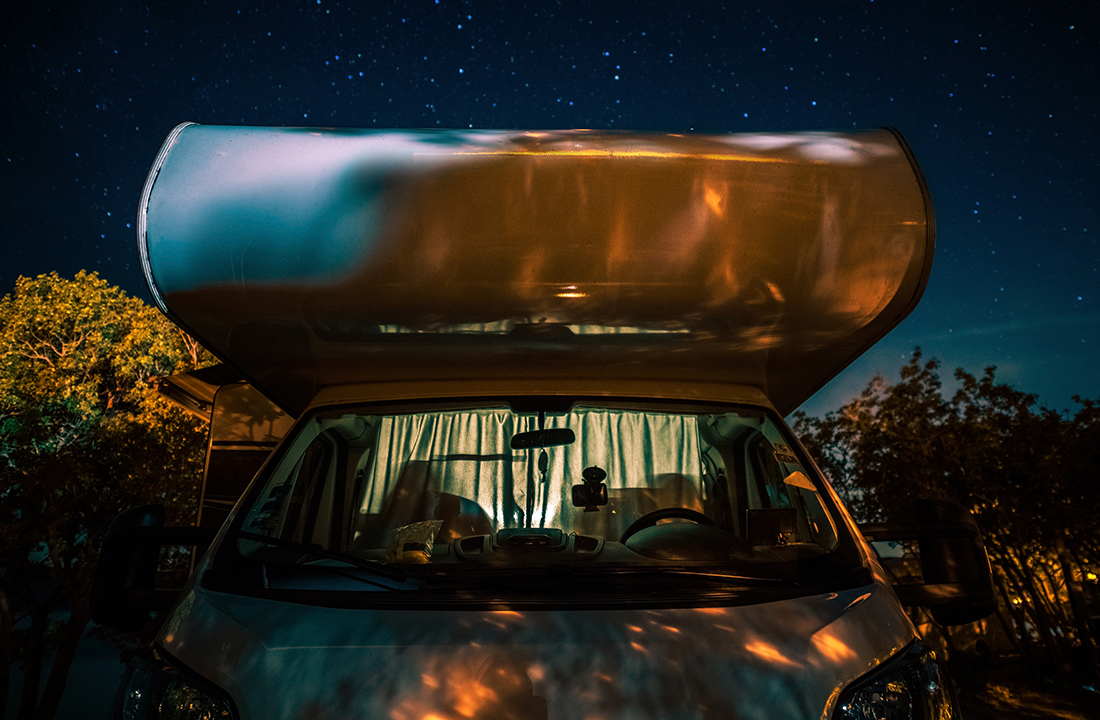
(513, 403)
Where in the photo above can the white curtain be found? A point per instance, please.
(467, 454)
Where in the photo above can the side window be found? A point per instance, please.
(774, 478)
(769, 475)
(306, 505)
(307, 482)
(792, 487)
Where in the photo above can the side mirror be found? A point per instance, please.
(957, 583)
(124, 588)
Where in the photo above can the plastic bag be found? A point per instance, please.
(412, 544)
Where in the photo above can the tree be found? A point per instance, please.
(83, 436)
(1024, 473)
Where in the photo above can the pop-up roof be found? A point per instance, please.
(310, 258)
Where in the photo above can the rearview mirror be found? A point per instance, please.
(957, 584)
(551, 437)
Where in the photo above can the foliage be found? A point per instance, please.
(83, 436)
(1025, 472)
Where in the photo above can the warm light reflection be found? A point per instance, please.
(732, 157)
(496, 688)
(715, 200)
(862, 598)
(768, 653)
(571, 291)
(470, 697)
(832, 647)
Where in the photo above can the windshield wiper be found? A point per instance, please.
(488, 576)
(701, 573)
(316, 551)
(678, 574)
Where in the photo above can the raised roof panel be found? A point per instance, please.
(310, 258)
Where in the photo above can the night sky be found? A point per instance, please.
(998, 100)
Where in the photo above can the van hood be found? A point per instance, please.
(314, 258)
(788, 659)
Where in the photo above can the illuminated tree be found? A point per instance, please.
(83, 436)
(1024, 472)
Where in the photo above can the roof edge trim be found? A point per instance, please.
(143, 212)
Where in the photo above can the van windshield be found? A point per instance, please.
(600, 487)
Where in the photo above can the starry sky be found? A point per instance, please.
(998, 101)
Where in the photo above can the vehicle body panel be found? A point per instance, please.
(788, 659)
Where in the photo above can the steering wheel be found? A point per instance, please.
(651, 518)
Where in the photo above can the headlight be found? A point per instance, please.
(157, 691)
(910, 686)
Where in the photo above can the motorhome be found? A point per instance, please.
(514, 404)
